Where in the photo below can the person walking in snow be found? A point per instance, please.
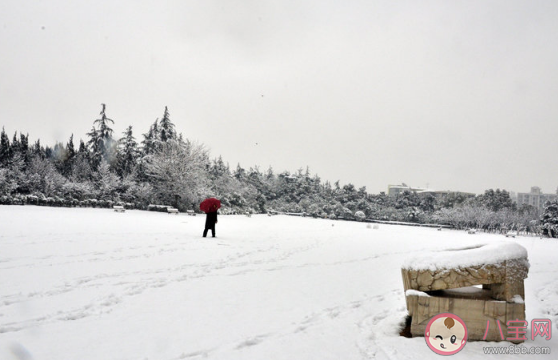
(210, 221)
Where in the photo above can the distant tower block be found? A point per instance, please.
(449, 281)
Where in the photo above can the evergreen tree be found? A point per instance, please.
(24, 143)
(166, 131)
(218, 169)
(452, 199)
(45, 178)
(70, 154)
(156, 130)
(81, 169)
(269, 174)
(15, 147)
(496, 200)
(4, 148)
(101, 142)
(407, 199)
(38, 150)
(128, 153)
(105, 132)
(106, 182)
(254, 178)
(151, 139)
(428, 203)
(59, 156)
(239, 173)
(82, 147)
(48, 152)
(94, 145)
(70, 149)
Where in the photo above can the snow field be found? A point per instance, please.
(95, 284)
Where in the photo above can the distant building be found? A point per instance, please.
(442, 193)
(535, 198)
(395, 190)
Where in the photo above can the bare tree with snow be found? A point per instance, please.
(177, 171)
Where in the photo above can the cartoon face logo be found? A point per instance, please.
(446, 334)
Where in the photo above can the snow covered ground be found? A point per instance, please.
(95, 284)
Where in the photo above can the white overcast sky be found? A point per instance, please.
(460, 95)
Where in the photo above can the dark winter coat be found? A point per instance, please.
(210, 220)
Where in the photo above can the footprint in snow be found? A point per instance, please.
(251, 342)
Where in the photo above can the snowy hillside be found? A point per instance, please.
(95, 284)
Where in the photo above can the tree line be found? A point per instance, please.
(166, 168)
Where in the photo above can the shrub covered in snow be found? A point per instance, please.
(32, 200)
(5, 200)
(360, 216)
(549, 219)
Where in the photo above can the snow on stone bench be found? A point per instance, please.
(119, 208)
(190, 212)
(449, 281)
(477, 254)
(171, 210)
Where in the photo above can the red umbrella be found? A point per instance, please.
(210, 205)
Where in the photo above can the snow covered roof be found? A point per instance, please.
(479, 254)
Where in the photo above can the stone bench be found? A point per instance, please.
(190, 212)
(479, 284)
(118, 208)
(171, 210)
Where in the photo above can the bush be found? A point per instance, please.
(549, 219)
(360, 216)
(32, 199)
(18, 200)
(58, 201)
(6, 200)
